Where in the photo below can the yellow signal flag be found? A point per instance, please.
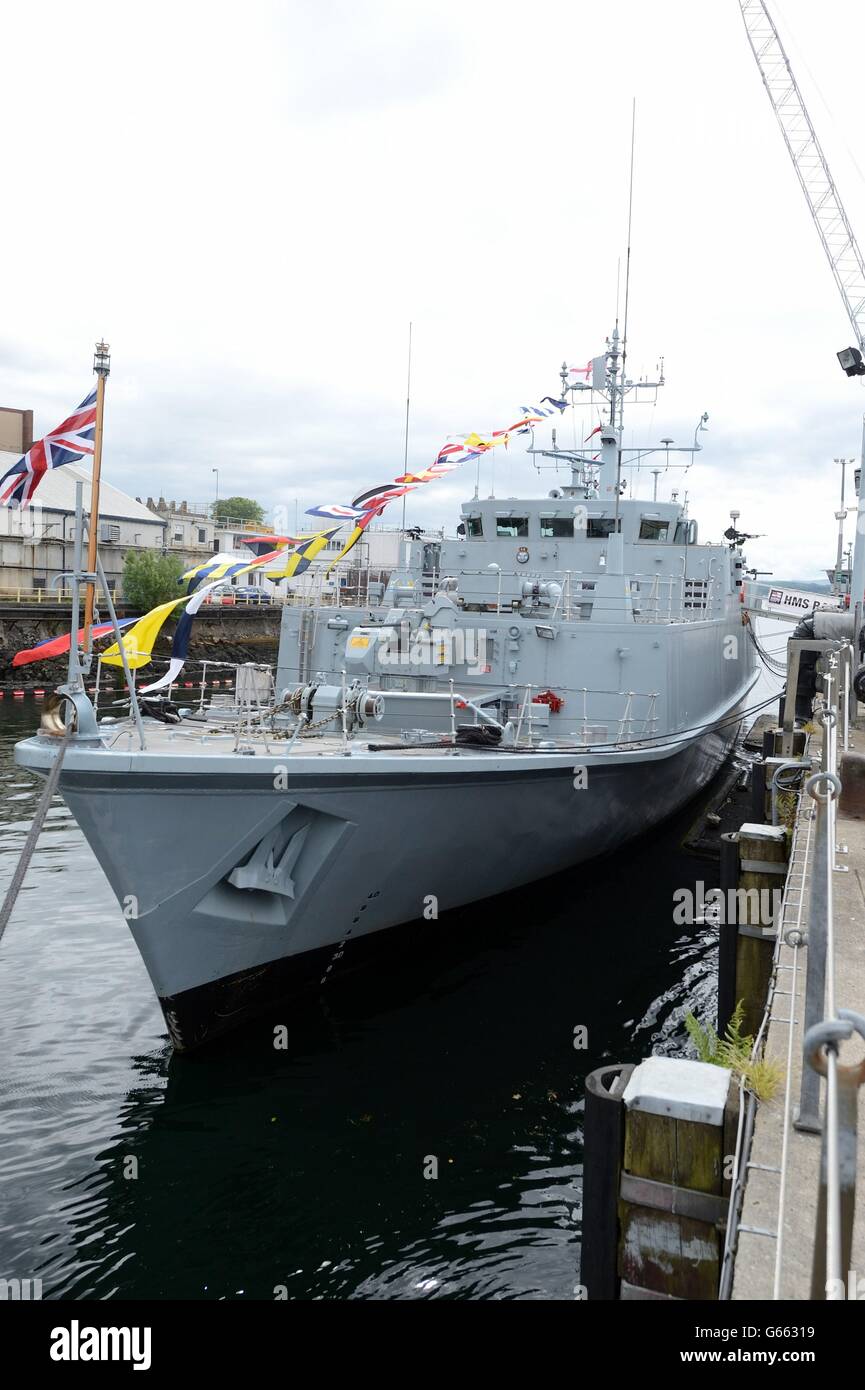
(138, 641)
(350, 543)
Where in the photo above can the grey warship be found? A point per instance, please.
(559, 676)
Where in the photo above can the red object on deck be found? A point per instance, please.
(547, 697)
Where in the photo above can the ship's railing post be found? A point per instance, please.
(626, 716)
(520, 720)
(203, 686)
(130, 675)
(651, 718)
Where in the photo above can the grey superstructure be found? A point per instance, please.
(563, 674)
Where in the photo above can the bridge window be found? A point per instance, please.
(653, 530)
(557, 527)
(599, 527)
(512, 527)
(474, 527)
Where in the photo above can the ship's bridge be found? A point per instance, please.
(651, 548)
(565, 521)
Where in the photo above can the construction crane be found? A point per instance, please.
(833, 227)
(809, 161)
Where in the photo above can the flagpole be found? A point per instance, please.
(102, 367)
(407, 408)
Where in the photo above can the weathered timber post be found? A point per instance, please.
(758, 789)
(763, 768)
(728, 934)
(672, 1204)
(603, 1144)
(762, 870)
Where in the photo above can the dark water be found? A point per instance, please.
(127, 1172)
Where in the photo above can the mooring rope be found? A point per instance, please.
(33, 835)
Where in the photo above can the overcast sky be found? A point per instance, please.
(252, 201)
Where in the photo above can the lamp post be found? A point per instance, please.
(216, 503)
(102, 368)
(840, 517)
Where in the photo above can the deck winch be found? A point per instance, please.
(319, 704)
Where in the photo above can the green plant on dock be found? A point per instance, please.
(787, 803)
(759, 1074)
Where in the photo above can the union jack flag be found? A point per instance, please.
(68, 443)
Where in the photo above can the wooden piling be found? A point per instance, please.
(728, 932)
(672, 1202)
(762, 870)
(603, 1145)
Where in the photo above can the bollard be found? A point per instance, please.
(672, 1181)
(603, 1143)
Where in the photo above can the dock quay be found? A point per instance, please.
(736, 1177)
(776, 1231)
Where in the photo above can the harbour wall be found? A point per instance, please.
(218, 634)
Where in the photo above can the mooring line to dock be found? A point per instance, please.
(33, 833)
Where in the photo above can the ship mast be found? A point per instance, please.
(102, 368)
(625, 326)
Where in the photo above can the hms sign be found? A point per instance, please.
(797, 601)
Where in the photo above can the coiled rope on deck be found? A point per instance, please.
(33, 835)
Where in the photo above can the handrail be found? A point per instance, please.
(826, 1025)
(806, 923)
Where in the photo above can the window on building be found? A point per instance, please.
(112, 584)
(599, 527)
(202, 535)
(557, 527)
(651, 530)
(216, 546)
(178, 535)
(474, 527)
(512, 527)
(40, 581)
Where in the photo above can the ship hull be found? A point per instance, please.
(277, 885)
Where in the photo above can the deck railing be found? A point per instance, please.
(573, 594)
